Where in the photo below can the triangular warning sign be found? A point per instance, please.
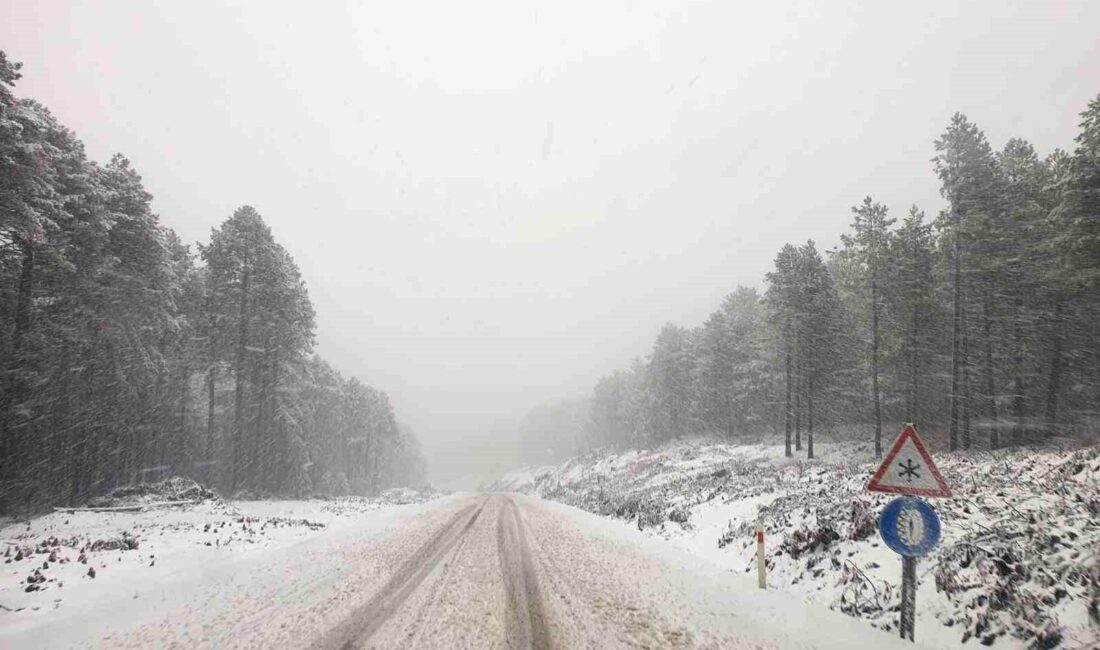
(908, 469)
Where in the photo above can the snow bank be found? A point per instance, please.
(67, 557)
(1017, 567)
(172, 489)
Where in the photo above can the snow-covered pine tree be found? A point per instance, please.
(916, 317)
(821, 334)
(868, 245)
(969, 181)
(783, 297)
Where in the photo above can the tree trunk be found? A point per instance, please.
(269, 442)
(211, 382)
(256, 438)
(64, 422)
(10, 449)
(274, 423)
(238, 408)
(368, 461)
(965, 384)
(810, 410)
(911, 399)
(1018, 383)
(1054, 378)
(23, 299)
(990, 383)
(183, 454)
(85, 452)
(874, 364)
(798, 406)
(787, 411)
(956, 334)
(162, 420)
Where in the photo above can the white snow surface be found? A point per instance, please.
(257, 562)
(663, 558)
(273, 577)
(1017, 566)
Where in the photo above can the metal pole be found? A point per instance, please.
(908, 596)
(760, 577)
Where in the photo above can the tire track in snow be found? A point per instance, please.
(527, 625)
(587, 613)
(437, 587)
(366, 620)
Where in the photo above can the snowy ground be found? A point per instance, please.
(465, 571)
(69, 571)
(1018, 565)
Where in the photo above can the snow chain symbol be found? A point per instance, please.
(911, 527)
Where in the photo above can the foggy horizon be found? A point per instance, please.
(492, 207)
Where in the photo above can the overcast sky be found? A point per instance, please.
(495, 203)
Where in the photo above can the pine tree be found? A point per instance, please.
(821, 328)
(1077, 214)
(783, 298)
(1019, 260)
(969, 177)
(264, 321)
(715, 374)
(670, 369)
(747, 374)
(115, 350)
(1074, 248)
(910, 297)
(868, 245)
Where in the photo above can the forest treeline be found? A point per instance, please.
(128, 357)
(979, 323)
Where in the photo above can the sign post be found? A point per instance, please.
(908, 597)
(760, 566)
(909, 526)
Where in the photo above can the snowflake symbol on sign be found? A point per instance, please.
(909, 470)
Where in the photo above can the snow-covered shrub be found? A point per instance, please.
(808, 540)
(860, 595)
(176, 488)
(1017, 565)
(863, 522)
(1094, 594)
(680, 515)
(400, 496)
(124, 542)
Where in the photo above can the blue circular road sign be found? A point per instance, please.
(909, 526)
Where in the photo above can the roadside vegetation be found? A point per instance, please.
(1017, 567)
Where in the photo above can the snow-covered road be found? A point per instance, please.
(470, 571)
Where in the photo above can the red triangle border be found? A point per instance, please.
(907, 433)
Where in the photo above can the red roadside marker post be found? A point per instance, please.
(760, 566)
(908, 525)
